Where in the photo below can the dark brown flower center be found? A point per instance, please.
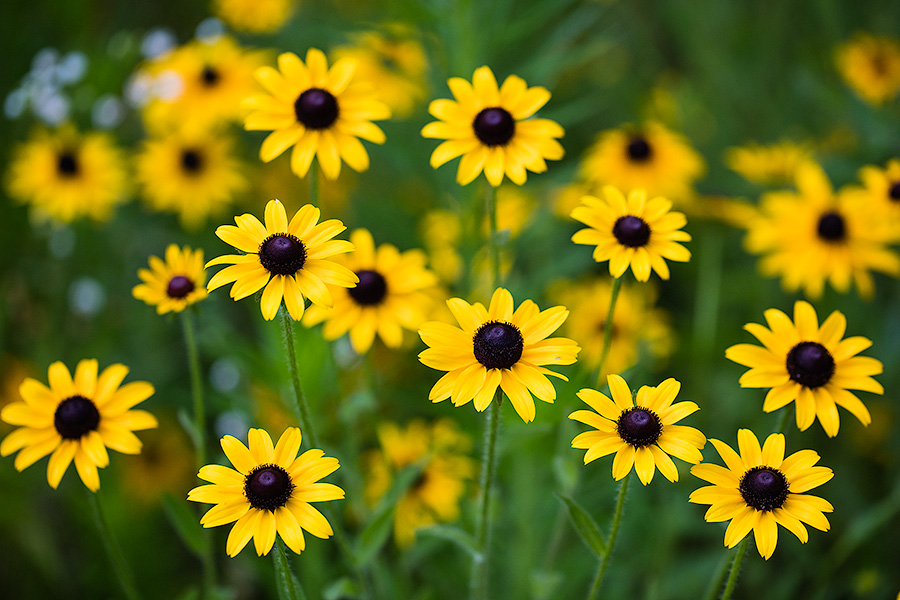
(75, 416)
(639, 427)
(282, 254)
(191, 161)
(268, 487)
(494, 126)
(371, 289)
(810, 364)
(832, 227)
(316, 109)
(894, 191)
(179, 287)
(631, 231)
(764, 488)
(210, 76)
(638, 149)
(498, 345)
(67, 164)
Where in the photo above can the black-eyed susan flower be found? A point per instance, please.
(633, 232)
(871, 66)
(269, 491)
(651, 158)
(814, 235)
(254, 16)
(321, 112)
(65, 175)
(173, 284)
(76, 419)
(497, 346)
(491, 128)
(392, 294)
(441, 449)
(768, 164)
(883, 187)
(289, 260)
(642, 431)
(761, 489)
(191, 173)
(812, 366)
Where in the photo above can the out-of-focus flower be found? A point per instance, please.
(883, 189)
(813, 235)
(76, 419)
(392, 294)
(871, 66)
(633, 232)
(434, 497)
(254, 16)
(65, 175)
(515, 208)
(320, 112)
(394, 61)
(491, 128)
(190, 172)
(651, 158)
(772, 164)
(441, 231)
(175, 284)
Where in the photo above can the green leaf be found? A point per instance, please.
(453, 534)
(186, 523)
(188, 423)
(585, 526)
(377, 530)
(340, 590)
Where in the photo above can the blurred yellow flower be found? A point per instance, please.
(174, 284)
(770, 164)
(441, 231)
(65, 175)
(515, 208)
(883, 189)
(871, 66)
(254, 16)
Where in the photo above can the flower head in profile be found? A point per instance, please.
(641, 431)
(174, 284)
(768, 164)
(289, 260)
(814, 235)
(871, 66)
(391, 295)
(320, 112)
(65, 175)
(76, 419)
(269, 491)
(254, 16)
(497, 346)
(441, 450)
(650, 158)
(491, 128)
(633, 232)
(760, 489)
(814, 367)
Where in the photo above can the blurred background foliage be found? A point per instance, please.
(722, 73)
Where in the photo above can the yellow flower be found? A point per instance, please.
(641, 431)
(651, 158)
(809, 365)
(883, 189)
(814, 236)
(321, 112)
(254, 16)
(175, 284)
(289, 260)
(768, 164)
(76, 419)
(191, 173)
(636, 232)
(269, 491)
(761, 489)
(392, 294)
(515, 209)
(65, 175)
(497, 346)
(871, 66)
(435, 495)
(491, 129)
(441, 231)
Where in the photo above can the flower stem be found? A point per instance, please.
(735, 569)
(478, 587)
(715, 584)
(113, 550)
(302, 409)
(289, 587)
(490, 207)
(608, 327)
(190, 342)
(613, 533)
(785, 417)
(314, 184)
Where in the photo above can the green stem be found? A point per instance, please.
(190, 342)
(490, 207)
(613, 533)
(314, 184)
(608, 328)
(478, 588)
(302, 408)
(785, 418)
(289, 587)
(113, 551)
(715, 584)
(735, 569)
